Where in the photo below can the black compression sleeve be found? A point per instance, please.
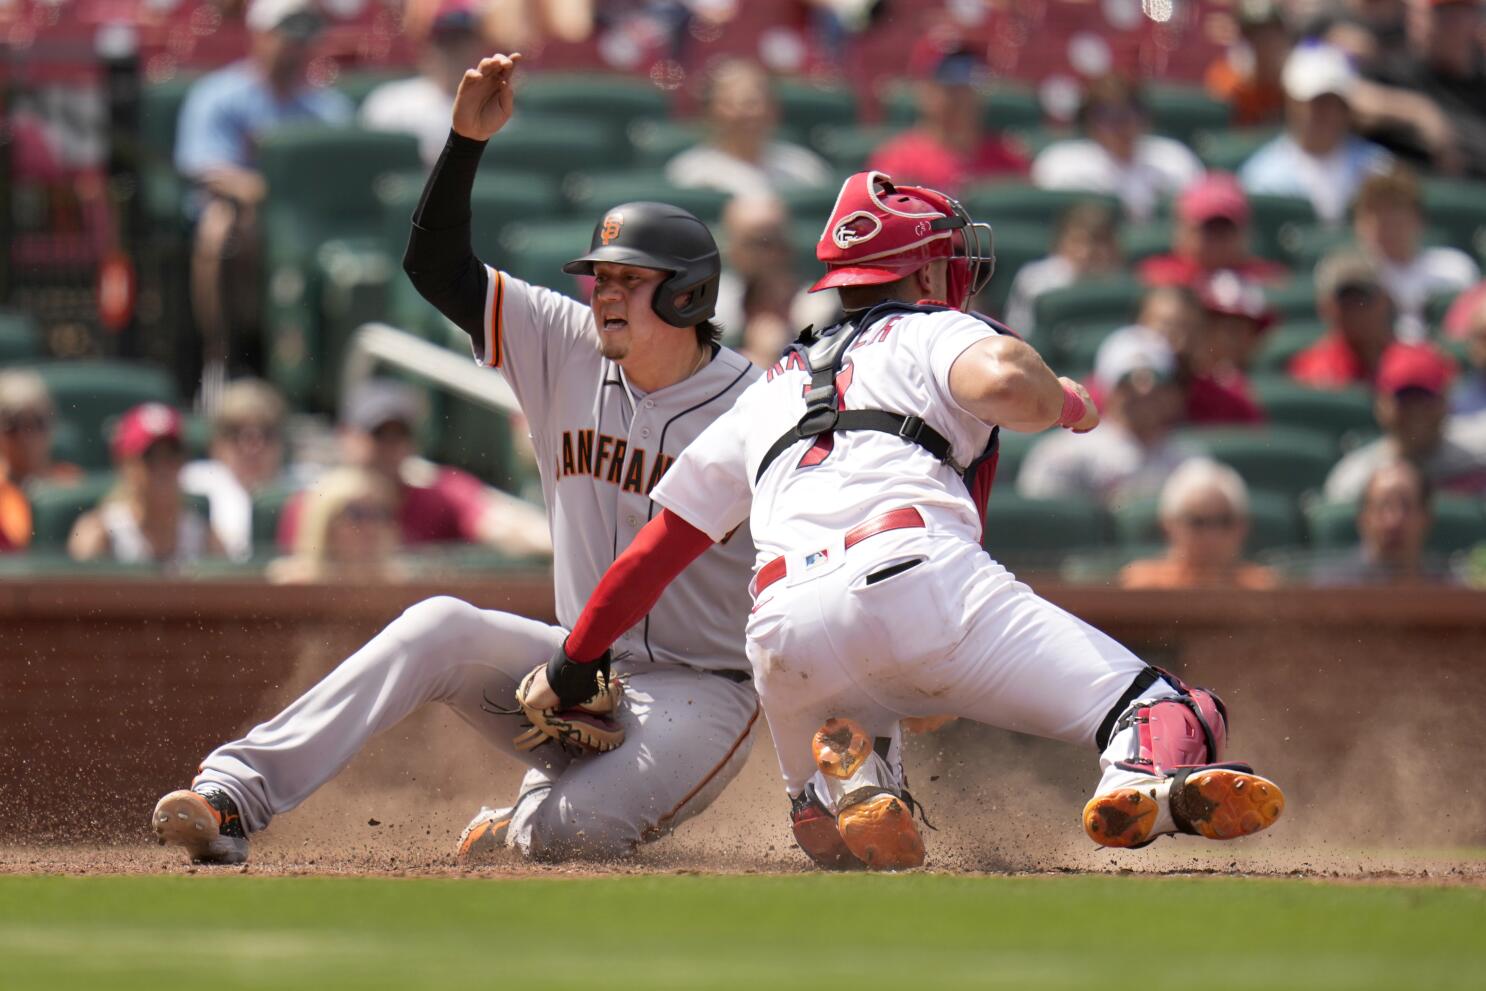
(440, 261)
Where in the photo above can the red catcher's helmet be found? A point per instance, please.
(879, 232)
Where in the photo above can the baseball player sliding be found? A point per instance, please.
(861, 462)
(613, 391)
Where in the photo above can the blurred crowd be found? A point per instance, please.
(1283, 319)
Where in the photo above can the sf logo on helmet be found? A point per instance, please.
(855, 228)
(612, 223)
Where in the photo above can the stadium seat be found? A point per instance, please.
(90, 394)
(1293, 301)
(1274, 521)
(849, 147)
(1458, 208)
(557, 145)
(537, 252)
(20, 338)
(1182, 110)
(1338, 413)
(1285, 342)
(1114, 300)
(1276, 218)
(54, 508)
(610, 98)
(357, 86)
(1227, 150)
(653, 143)
(997, 203)
(1304, 245)
(322, 186)
(268, 507)
(589, 194)
(812, 203)
(1013, 448)
(1008, 106)
(1016, 244)
(1036, 534)
(805, 104)
(163, 190)
(1288, 460)
(1459, 524)
(1139, 241)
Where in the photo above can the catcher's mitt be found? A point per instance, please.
(588, 725)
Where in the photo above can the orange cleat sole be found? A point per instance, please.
(881, 833)
(839, 747)
(1223, 804)
(1122, 818)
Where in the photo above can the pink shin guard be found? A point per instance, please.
(1171, 733)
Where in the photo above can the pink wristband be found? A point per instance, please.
(1074, 407)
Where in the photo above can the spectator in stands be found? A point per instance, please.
(1319, 157)
(1204, 513)
(434, 503)
(1131, 454)
(1086, 246)
(26, 420)
(1393, 522)
(1470, 392)
(1412, 408)
(420, 105)
(1358, 314)
(1430, 99)
(1211, 235)
(759, 255)
(740, 155)
(1461, 315)
(1117, 154)
(224, 114)
(245, 458)
(145, 519)
(1389, 221)
(349, 531)
(1247, 76)
(948, 146)
(1237, 318)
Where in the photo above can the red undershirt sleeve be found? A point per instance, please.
(634, 583)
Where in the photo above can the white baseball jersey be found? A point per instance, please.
(602, 447)
(813, 490)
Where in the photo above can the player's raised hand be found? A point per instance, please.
(485, 98)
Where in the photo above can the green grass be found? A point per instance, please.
(1209, 933)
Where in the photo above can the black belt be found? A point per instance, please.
(735, 676)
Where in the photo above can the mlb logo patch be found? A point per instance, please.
(820, 556)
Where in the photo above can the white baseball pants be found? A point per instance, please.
(954, 634)
(687, 732)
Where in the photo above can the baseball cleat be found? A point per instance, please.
(1219, 803)
(485, 834)
(207, 825)
(839, 747)
(880, 832)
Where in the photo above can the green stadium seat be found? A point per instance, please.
(1274, 521)
(163, 191)
(805, 104)
(589, 194)
(322, 186)
(997, 203)
(1458, 207)
(1033, 140)
(1276, 218)
(1285, 342)
(20, 338)
(614, 99)
(1036, 534)
(357, 86)
(1013, 449)
(1075, 346)
(1227, 150)
(1008, 105)
(90, 394)
(1015, 245)
(1304, 245)
(555, 146)
(653, 143)
(1459, 524)
(268, 508)
(1293, 301)
(849, 147)
(1139, 241)
(537, 252)
(1182, 110)
(812, 203)
(1338, 413)
(1288, 460)
(54, 508)
(1113, 300)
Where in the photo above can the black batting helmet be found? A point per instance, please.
(665, 237)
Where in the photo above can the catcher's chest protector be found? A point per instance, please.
(823, 356)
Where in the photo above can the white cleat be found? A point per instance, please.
(208, 826)
(485, 834)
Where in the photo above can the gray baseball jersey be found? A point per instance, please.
(601, 447)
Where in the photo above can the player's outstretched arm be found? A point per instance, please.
(1004, 381)
(440, 261)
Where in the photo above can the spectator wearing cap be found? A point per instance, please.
(741, 155)
(1351, 300)
(1469, 395)
(434, 503)
(1319, 157)
(420, 105)
(1117, 155)
(1131, 454)
(1086, 246)
(27, 417)
(1247, 76)
(245, 458)
(948, 147)
(224, 115)
(1211, 235)
(349, 531)
(1429, 99)
(1204, 513)
(1411, 405)
(1388, 219)
(1394, 517)
(145, 519)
